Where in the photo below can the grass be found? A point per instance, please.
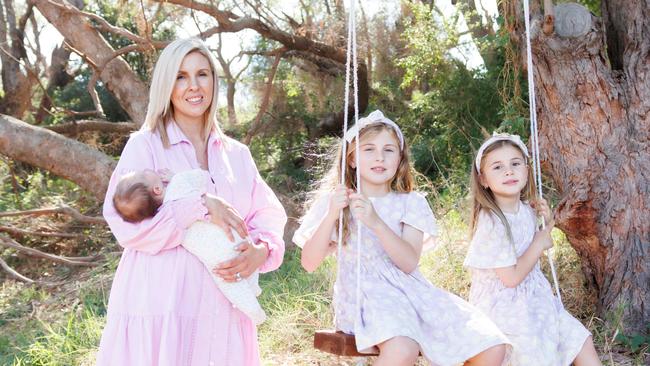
(63, 327)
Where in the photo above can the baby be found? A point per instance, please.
(138, 196)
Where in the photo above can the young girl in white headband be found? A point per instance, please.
(507, 283)
(399, 311)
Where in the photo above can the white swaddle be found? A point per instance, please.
(211, 246)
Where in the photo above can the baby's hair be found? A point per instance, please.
(402, 182)
(483, 198)
(134, 201)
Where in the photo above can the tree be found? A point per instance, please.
(593, 97)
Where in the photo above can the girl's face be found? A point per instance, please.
(504, 171)
(379, 159)
(192, 93)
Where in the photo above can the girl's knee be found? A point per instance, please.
(402, 350)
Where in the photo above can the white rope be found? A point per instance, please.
(351, 59)
(534, 136)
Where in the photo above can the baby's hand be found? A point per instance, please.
(542, 208)
(363, 210)
(339, 200)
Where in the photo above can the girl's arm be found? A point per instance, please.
(512, 276)
(320, 244)
(403, 251)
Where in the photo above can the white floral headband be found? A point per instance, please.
(374, 117)
(496, 137)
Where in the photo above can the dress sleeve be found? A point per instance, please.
(167, 228)
(419, 215)
(266, 218)
(311, 220)
(490, 246)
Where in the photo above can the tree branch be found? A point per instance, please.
(10, 243)
(70, 159)
(255, 126)
(64, 210)
(14, 231)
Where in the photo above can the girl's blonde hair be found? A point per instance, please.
(402, 182)
(160, 109)
(483, 198)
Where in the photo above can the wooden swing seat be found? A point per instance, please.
(339, 343)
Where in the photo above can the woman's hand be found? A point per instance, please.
(339, 200)
(363, 210)
(251, 257)
(225, 216)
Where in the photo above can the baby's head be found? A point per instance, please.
(138, 195)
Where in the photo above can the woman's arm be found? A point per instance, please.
(167, 228)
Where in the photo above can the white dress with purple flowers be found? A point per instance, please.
(541, 331)
(394, 303)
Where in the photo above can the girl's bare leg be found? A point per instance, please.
(398, 351)
(492, 356)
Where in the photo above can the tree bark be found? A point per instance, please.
(116, 74)
(67, 158)
(594, 135)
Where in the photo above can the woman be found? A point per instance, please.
(164, 309)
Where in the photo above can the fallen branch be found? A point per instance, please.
(12, 272)
(70, 261)
(14, 231)
(65, 210)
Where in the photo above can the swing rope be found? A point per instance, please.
(351, 62)
(534, 136)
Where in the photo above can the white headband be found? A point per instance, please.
(374, 117)
(495, 138)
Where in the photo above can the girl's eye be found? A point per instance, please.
(368, 149)
(496, 167)
(179, 77)
(203, 73)
(389, 150)
(516, 163)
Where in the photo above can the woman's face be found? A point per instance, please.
(192, 93)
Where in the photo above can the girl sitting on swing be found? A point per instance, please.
(507, 282)
(399, 311)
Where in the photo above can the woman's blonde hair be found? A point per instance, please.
(403, 180)
(483, 198)
(160, 109)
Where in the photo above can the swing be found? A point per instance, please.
(343, 344)
(333, 341)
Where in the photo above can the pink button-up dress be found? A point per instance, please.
(164, 308)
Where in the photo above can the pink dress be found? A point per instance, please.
(164, 308)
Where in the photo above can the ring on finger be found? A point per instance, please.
(238, 277)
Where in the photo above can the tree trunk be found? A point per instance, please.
(67, 158)
(594, 126)
(119, 78)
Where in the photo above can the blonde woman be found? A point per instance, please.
(164, 308)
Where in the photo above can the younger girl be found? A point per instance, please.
(400, 312)
(507, 283)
